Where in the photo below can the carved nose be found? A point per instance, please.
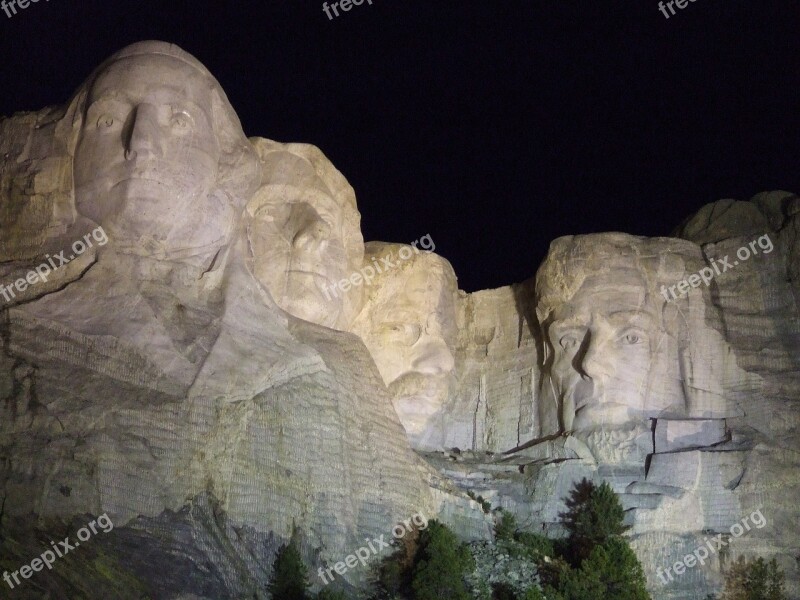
(312, 231)
(591, 363)
(145, 135)
(311, 235)
(432, 357)
(593, 355)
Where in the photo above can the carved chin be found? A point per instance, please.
(628, 443)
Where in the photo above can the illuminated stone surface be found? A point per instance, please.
(304, 234)
(409, 326)
(155, 378)
(196, 378)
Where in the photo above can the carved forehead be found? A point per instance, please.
(291, 178)
(304, 167)
(419, 266)
(616, 301)
(155, 49)
(420, 289)
(301, 172)
(597, 264)
(169, 78)
(164, 67)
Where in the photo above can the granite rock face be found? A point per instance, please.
(758, 303)
(181, 352)
(681, 395)
(494, 408)
(150, 374)
(408, 323)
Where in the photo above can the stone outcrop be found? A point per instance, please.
(153, 378)
(692, 416)
(178, 354)
(494, 408)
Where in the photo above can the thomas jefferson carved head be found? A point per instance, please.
(304, 233)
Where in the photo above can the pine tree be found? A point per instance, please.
(611, 572)
(443, 562)
(756, 580)
(594, 515)
(506, 527)
(289, 579)
(605, 565)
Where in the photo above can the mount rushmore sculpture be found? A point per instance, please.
(188, 374)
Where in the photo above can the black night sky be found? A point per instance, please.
(493, 126)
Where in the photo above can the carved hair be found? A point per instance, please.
(283, 171)
(659, 262)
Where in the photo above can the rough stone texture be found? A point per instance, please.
(494, 406)
(153, 378)
(174, 377)
(408, 323)
(758, 302)
(672, 435)
(35, 182)
(130, 448)
(708, 432)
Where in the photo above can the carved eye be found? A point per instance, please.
(105, 122)
(406, 334)
(181, 121)
(631, 338)
(568, 341)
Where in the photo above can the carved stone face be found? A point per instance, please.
(297, 239)
(303, 234)
(604, 342)
(616, 353)
(408, 325)
(147, 156)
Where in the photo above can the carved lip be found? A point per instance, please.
(137, 178)
(314, 274)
